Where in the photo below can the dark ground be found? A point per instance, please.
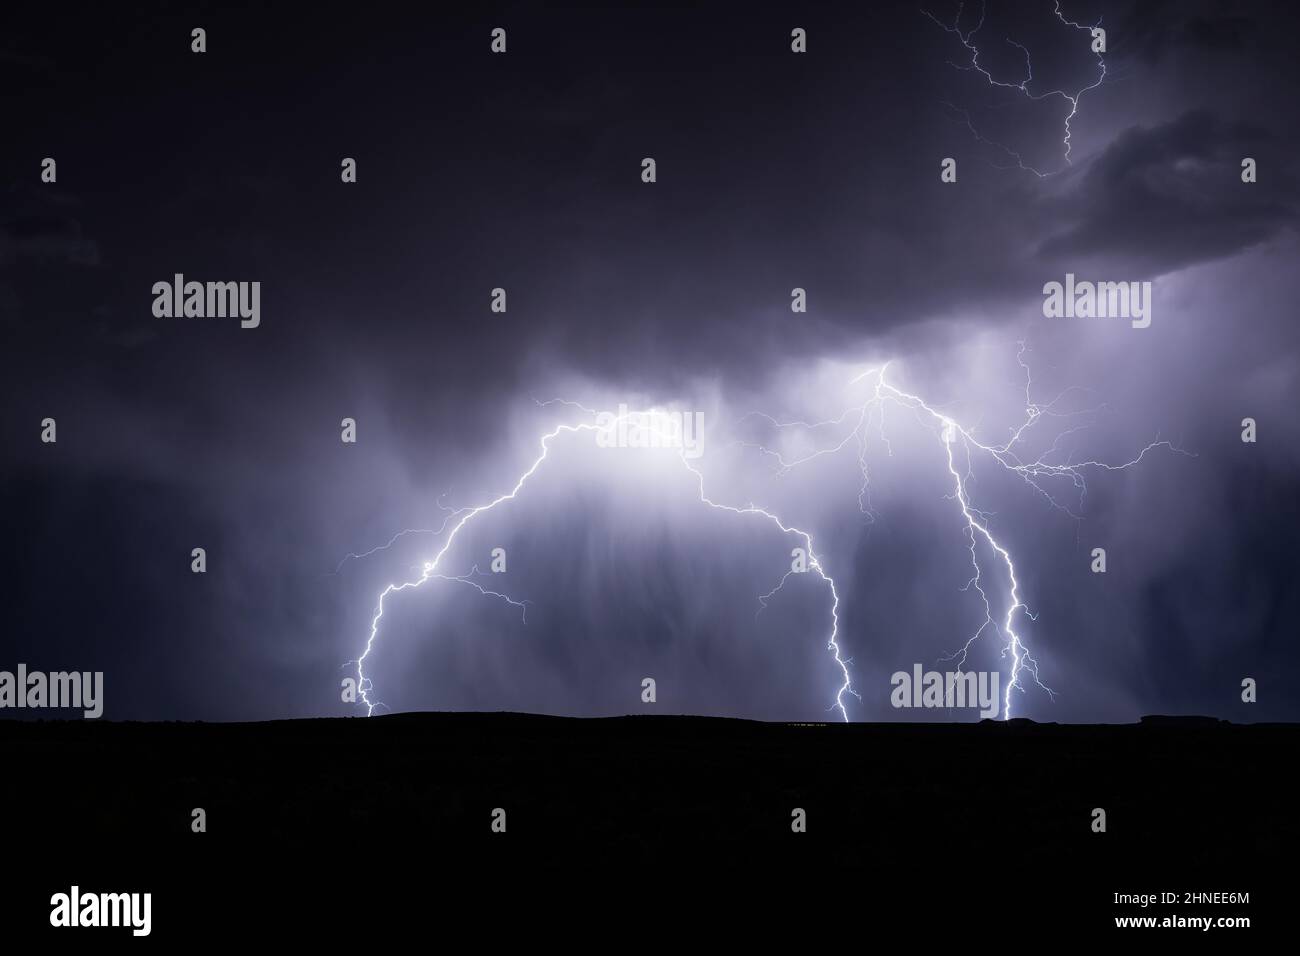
(324, 820)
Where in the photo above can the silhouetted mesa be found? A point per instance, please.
(1171, 787)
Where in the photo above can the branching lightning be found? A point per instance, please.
(452, 513)
(461, 518)
(967, 40)
(961, 450)
(993, 570)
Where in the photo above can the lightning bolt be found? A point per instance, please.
(961, 450)
(354, 556)
(459, 519)
(967, 40)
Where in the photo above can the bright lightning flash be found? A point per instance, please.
(659, 429)
(961, 450)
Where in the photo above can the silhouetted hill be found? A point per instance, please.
(945, 810)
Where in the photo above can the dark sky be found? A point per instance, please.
(522, 171)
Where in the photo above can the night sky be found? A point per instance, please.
(775, 170)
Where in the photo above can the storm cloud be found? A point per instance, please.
(775, 171)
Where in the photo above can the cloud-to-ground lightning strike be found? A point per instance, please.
(462, 517)
(961, 449)
(1034, 471)
(967, 40)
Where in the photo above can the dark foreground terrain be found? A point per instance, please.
(319, 825)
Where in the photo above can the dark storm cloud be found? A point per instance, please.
(1154, 30)
(1164, 198)
(47, 240)
(476, 172)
